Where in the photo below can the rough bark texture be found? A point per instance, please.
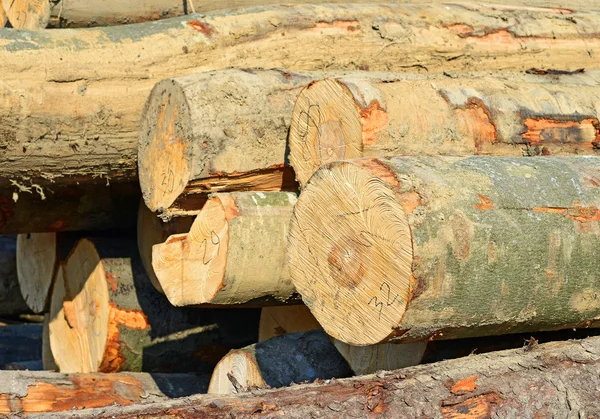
(68, 207)
(504, 114)
(11, 301)
(152, 230)
(44, 392)
(279, 362)
(551, 380)
(20, 342)
(416, 248)
(74, 97)
(234, 252)
(27, 14)
(106, 316)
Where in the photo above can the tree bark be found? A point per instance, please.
(421, 248)
(11, 301)
(551, 380)
(20, 342)
(83, 124)
(69, 208)
(27, 14)
(277, 321)
(279, 362)
(511, 115)
(107, 317)
(234, 252)
(43, 392)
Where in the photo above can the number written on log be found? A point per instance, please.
(385, 298)
(215, 241)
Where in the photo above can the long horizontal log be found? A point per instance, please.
(69, 208)
(234, 252)
(11, 300)
(105, 316)
(74, 97)
(551, 380)
(504, 114)
(45, 392)
(420, 248)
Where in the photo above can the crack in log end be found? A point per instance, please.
(466, 385)
(475, 121)
(113, 360)
(373, 119)
(343, 25)
(274, 178)
(577, 213)
(543, 130)
(479, 407)
(485, 203)
(204, 28)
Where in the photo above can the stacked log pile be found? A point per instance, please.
(304, 193)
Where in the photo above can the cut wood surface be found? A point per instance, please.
(37, 259)
(27, 14)
(277, 321)
(234, 252)
(212, 117)
(69, 208)
(416, 248)
(44, 392)
(106, 317)
(152, 230)
(73, 98)
(551, 380)
(20, 342)
(11, 301)
(279, 362)
(501, 114)
(3, 18)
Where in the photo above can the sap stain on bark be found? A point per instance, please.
(539, 130)
(485, 204)
(204, 28)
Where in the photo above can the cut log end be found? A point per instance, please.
(3, 17)
(164, 153)
(350, 246)
(326, 126)
(79, 311)
(192, 265)
(27, 14)
(36, 262)
(237, 372)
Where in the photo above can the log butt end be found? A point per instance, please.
(326, 127)
(236, 372)
(36, 261)
(350, 251)
(26, 14)
(164, 151)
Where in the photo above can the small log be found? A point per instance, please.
(552, 380)
(11, 301)
(20, 342)
(107, 317)
(44, 392)
(69, 208)
(208, 142)
(152, 230)
(27, 14)
(279, 362)
(37, 259)
(234, 252)
(510, 115)
(82, 125)
(421, 248)
(277, 321)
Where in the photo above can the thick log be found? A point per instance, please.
(27, 14)
(279, 362)
(551, 380)
(11, 301)
(20, 342)
(37, 260)
(234, 252)
(415, 248)
(43, 392)
(152, 230)
(277, 321)
(509, 114)
(83, 124)
(106, 316)
(69, 208)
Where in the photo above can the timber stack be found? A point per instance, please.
(265, 195)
